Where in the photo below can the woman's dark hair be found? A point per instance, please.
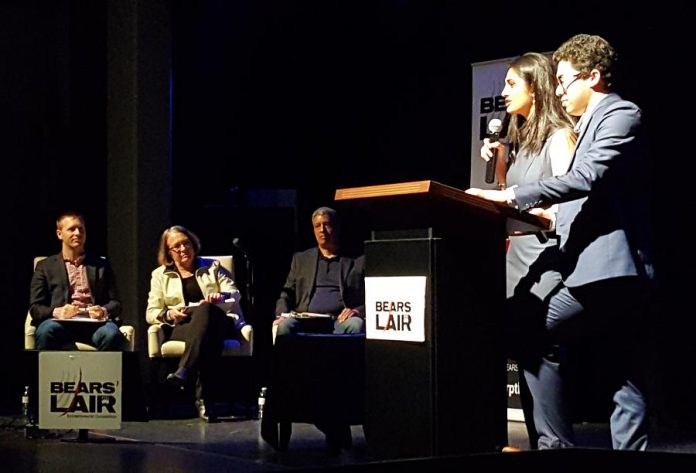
(546, 114)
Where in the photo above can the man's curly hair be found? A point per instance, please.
(586, 52)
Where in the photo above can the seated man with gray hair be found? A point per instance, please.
(323, 281)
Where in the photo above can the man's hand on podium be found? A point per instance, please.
(502, 196)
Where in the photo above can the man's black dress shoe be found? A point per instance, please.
(337, 437)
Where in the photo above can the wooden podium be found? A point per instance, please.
(446, 395)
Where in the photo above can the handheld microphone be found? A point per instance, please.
(494, 127)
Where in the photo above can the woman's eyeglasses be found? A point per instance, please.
(181, 246)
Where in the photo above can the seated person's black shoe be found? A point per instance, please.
(337, 437)
(178, 379)
(345, 437)
(333, 448)
(348, 439)
(203, 412)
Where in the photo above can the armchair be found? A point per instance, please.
(30, 330)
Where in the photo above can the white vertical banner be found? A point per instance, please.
(514, 404)
(79, 390)
(395, 308)
(487, 81)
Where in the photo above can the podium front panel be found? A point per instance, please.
(445, 395)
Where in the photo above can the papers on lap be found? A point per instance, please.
(226, 305)
(82, 318)
(305, 315)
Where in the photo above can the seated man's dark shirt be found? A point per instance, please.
(327, 293)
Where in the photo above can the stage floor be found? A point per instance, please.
(235, 445)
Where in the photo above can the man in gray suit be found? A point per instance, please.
(603, 226)
(324, 281)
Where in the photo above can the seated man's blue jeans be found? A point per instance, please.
(54, 335)
(291, 326)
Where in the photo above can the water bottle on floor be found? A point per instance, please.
(27, 420)
(25, 406)
(262, 402)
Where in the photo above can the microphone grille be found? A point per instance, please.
(495, 125)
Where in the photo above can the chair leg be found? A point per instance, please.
(285, 431)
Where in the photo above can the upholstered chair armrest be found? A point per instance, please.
(155, 339)
(247, 345)
(129, 332)
(29, 334)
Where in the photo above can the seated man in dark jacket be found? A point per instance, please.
(323, 281)
(72, 293)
